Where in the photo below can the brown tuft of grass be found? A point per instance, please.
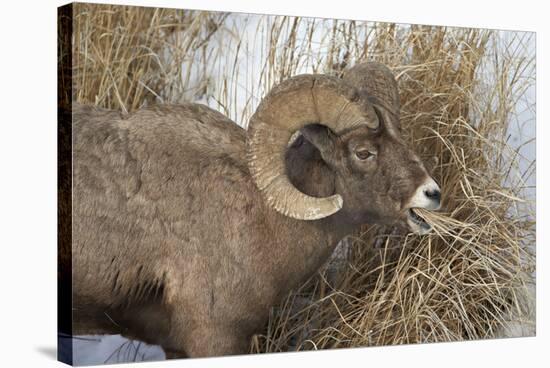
(460, 91)
(125, 57)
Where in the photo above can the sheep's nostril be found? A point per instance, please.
(427, 195)
(433, 194)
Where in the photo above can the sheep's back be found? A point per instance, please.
(154, 194)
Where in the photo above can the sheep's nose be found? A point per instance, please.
(427, 195)
(433, 194)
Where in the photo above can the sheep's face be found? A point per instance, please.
(379, 178)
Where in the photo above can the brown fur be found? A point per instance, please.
(173, 243)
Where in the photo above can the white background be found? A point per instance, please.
(28, 251)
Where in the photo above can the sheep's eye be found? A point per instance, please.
(363, 154)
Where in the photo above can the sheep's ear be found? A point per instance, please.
(323, 139)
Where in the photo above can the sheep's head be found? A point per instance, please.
(354, 125)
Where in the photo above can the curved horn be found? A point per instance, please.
(378, 83)
(288, 107)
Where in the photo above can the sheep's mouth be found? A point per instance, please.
(417, 223)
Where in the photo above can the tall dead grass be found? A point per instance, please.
(460, 89)
(125, 57)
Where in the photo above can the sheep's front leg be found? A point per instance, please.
(209, 340)
(174, 354)
(206, 321)
(218, 341)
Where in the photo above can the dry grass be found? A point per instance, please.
(460, 89)
(126, 57)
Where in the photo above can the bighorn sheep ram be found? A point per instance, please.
(187, 228)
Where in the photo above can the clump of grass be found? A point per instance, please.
(459, 89)
(125, 57)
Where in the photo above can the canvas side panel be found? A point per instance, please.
(64, 184)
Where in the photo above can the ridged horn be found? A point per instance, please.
(378, 83)
(296, 102)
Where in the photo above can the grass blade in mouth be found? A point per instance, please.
(416, 215)
(442, 222)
